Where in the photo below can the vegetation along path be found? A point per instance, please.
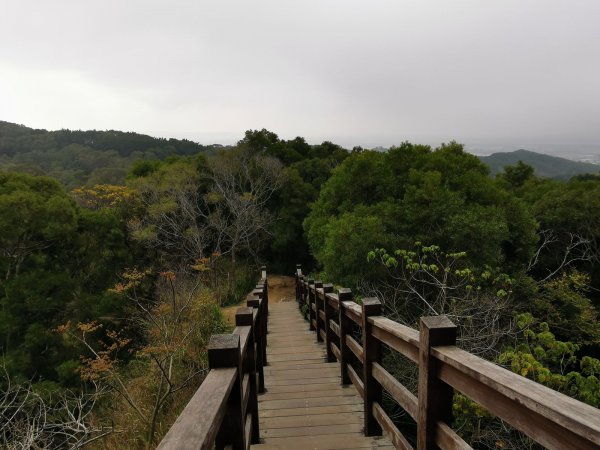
(305, 406)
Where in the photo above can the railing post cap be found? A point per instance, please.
(244, 316)
(318, 284)
(328, 287)
(344, 294)
(298, 266)
(223, 350)
(370, 301)
(253, 302)
(371, 306)
(311, 281)
(435, 322)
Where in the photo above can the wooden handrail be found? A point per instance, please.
(223, 412)
(550, 418)
(201, 419)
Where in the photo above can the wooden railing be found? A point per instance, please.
(224, 410)
(548, 417)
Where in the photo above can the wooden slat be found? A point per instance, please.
(335, 350)
(322, 334)
(334, 327)
(353, 312)
(198, 424)
(447, 439)
(552, 419)
(245, 392)
(325, 400)
(322, 314)
(355, 347)
(317, 430)
(403, 396)
(333, 300)
(399, 337)
(356, 381)
(248, 430)
(390, 429)
(314, 323)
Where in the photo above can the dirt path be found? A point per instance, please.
(281, 289)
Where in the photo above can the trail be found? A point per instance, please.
(281, 289)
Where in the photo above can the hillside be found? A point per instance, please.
(545, 165)
(78, 157)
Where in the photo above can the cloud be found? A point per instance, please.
(357, 72)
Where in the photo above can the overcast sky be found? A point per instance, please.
(370, 72)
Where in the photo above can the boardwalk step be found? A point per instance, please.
(305, 406)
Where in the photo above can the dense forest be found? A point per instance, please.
(118, 250)
(84, 157)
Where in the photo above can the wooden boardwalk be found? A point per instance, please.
(305, 406)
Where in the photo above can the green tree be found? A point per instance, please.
(443, 195)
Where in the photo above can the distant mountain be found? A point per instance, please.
(79, 157)
(545, 166)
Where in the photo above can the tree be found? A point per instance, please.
(556, 364)
(516, 176)
(242, 186)
(31, 419)
(426, 281)
(35, 214)
(443, 196)
(176, 322)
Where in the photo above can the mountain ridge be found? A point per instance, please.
(545, 166)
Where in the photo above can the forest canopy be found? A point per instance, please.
(118, 250)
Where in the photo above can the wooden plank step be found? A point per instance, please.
(305, 406)
(317, 410)
(326, 442)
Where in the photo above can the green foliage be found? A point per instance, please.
(56, 263)
(307, 167)
(563, 304)
(80, 157)
(556, 364)
(516, 176)
(413, 192)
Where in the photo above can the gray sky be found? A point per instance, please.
(372, 72)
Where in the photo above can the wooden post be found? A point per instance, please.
(263, 271)
(245, 317)
(329, 314)
(259, 291)
(224, 351)
(435, 396)
(318, 327)
(254, 303)
(297, 278)
(311, 313)
(371, 353)
(344, 295)
(304, 296)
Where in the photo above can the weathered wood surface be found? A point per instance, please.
(199, 423)
(550, 418)
(305, 405)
